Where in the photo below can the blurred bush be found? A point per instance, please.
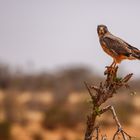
(5, 128)
(60, 82)
(37, 137)
(125, 111)
(66, 116)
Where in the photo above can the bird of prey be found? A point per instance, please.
(117, 48)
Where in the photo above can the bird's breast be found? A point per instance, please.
(106, 49)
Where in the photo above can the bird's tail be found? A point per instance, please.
(136, 54)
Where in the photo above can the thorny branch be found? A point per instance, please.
(102, 93)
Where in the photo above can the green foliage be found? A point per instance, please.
(97, 111)
(117, 79)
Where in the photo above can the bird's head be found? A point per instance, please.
(102, 30)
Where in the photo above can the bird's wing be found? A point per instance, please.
(117, 45)
(133, 49)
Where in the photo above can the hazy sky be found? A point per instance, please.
(54, 33)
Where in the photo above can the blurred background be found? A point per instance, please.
(48, 48)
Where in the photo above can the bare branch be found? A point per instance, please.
(89, 91)
(104, 91)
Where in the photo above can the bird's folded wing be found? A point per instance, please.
(117, 45)
(133, 49)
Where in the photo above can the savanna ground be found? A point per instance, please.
(54, 106)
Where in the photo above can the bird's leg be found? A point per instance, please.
(110, 69)
(113, 64)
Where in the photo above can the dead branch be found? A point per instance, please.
(120, 130)
(102, 93)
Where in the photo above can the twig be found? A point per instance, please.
(97, 131)
(89, 91)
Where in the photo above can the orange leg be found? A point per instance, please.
(114, 63)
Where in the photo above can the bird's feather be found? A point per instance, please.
(117, 45)
(135, 51)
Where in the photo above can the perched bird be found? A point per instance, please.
(117, 48)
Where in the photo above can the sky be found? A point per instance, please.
(50, 34)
